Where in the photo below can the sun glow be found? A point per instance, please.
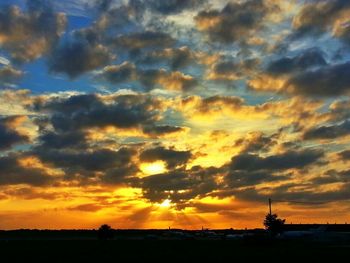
(166, 203)
(153, 168)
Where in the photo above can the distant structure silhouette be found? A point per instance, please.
(105, 232)
(274, 224)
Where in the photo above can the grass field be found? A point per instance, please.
(169, 251)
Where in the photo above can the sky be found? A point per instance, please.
(173, 113)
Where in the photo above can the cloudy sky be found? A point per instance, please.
(180, 113)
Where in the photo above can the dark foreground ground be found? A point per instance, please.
(172, 251)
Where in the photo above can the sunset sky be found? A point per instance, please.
(173, 113)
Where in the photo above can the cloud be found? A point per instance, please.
(30, 192)
(68, 140)
(173, 6)
(27, 36)
(116, 74)
(4, 61)
(332, 80)
(149, 78)
(178, 185)
(244, 178)
(288, 192)
(78, 56)
(236, 22)
(322, 16)
(195, 106)
(176, 57)
(332, 176)
(306, 74)
(90, 207)
(163, 130)
(97, 160)
(147, 39)
(8, 134)
(9, 75)
(173, 158)
(175, 81)
(12, 172)
(228, 70)
(278, 162)
(328, 132)
(90, 166)
(344, 155)
(81, 112)
(15, 102)
(308, 59)
(256, 141)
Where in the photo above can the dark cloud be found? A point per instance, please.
(89, 111)
(52, 140)
(339, 110)
(173, 6)
(283, 161)
(77, 56)
(98, 166)
(74, 103)
(180, 186)
(141, 40)
(71, 117)
(118, 73)
(225, 70)
(9, 75)
(150, 77)
(306, 191)
(216, 103)
(176, 80)
(344, 155)
(328, 132)
(256, 142)
(120, 174)
(306, 74)
(332, 176)
(320, 16)
(236, 179)
(11, 173)
(295, 193)
(308, 59)
(27, 36)
(332, 80)
(168, 7)
(96, 160)
(176, 57)
(229, 70)
(8, 135)
(162, 130)
(235, 22)
(173, 158)
(103, 5)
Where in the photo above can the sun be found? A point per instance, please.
(166, 203)
(153, 168)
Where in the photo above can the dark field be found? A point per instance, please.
(170, 251)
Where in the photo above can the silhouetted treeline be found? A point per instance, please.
(325, 227)
(116, 233)
(92, 234)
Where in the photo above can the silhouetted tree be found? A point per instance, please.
(105, 232)
(274, 224)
